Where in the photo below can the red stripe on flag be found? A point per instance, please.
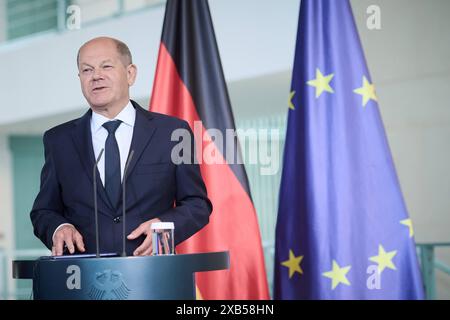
(233, 224)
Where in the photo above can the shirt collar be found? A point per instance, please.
(127, 116)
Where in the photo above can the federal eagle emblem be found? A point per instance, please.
(109, 285)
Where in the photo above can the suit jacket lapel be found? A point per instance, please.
(143, 132)
(82, 138)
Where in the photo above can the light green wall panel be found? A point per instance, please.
(28, 159)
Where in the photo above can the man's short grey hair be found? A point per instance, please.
(122, 49)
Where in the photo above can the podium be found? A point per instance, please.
(165, 277)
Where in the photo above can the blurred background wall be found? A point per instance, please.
(407, 58)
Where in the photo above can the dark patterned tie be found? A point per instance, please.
(112, 163)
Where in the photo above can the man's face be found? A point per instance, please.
(104, 78)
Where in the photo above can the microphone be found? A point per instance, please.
(130, 156)
(94, 181)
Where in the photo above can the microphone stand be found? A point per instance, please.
(130, 156)
(94, 179)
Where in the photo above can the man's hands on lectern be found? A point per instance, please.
(67, 236)
(145, 249)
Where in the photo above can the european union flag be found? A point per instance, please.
(343, 230)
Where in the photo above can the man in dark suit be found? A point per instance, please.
(158, 189)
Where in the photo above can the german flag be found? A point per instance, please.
(189, 84)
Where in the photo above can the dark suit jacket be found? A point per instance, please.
(156, 187)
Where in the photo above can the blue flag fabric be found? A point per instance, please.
(343, 230)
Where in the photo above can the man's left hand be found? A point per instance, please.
(145, 249)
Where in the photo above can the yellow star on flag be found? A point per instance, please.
(367, 91)
(337, 275)
(293, 264)
(291, 104)
(408, 223)
(321, 83)
(384, 259)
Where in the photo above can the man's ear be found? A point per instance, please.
(131, 74)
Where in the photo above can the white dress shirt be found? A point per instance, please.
(124, 134)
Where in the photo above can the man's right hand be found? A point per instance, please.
(69, 236)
